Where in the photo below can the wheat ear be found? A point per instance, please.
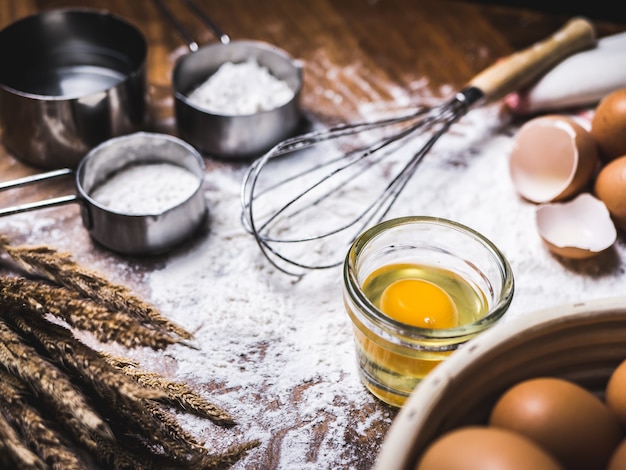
(13, 452)
(178, 394)
(78, 358)
(226, 458)
(34, 429)
(121, 397)
(60, 268)
(82, 313)
(45, 379)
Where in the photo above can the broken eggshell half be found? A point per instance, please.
(578, 229)
(553, 158)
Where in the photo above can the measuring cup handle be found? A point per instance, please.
(28, 180)
(57, 201)
(217, 31)
(191, 43)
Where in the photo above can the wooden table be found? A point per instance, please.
(373, 47)
(385, 44)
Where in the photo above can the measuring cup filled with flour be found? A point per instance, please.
(140, 194)
(235, 99)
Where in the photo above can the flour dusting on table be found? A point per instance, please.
(278, 354)
(262, 333)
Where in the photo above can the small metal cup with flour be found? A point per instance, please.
(140, 228)
(235, 135)
(231, 135)
(155, 230)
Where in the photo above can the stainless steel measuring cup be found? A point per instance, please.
(236, 136)
(70, 79)
(133, 234)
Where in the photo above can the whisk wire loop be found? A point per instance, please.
(270, 229)
(278, 213)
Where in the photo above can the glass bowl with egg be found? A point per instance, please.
(415, 289)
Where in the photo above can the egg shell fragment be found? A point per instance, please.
(553, 158)
(480, 448)
(578, 229)
(563, 418)
(610, 188)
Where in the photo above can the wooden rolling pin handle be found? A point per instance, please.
(522, 68)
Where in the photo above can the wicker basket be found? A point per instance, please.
(582, 342)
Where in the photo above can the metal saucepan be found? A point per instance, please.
(231, 136)
(70, 79)
(129, 233)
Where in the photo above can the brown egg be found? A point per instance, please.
(565, 419)
(610, 188)
(481, 447)
(553, 158)
(608, 126)
(615, 396)
(618, 459)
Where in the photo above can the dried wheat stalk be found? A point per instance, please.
(45, 379)
(178, 394)
(226, 458)
(112, 455)
(66, 403)
(118, 392)
(14, 453)
(36, 431)
(125, 400)
(76, 357)
(125, 394)
(60, 268)
(82, 313)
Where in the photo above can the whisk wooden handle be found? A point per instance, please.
(521, 68)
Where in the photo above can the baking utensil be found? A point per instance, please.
(306, 199)
(582, 342)
(70, 79)
(581, 80)
(236, 136)
(135, 234)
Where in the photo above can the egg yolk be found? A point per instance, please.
(419, 303)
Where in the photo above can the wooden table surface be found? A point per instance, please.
(424, 46)
(381, 45)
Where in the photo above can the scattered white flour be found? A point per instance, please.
(261, 332)
(241, 89)
(150, 188)
(279, 354)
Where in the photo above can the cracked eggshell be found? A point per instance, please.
(553, 158)
(578, 229)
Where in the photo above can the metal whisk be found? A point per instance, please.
(310, 196)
